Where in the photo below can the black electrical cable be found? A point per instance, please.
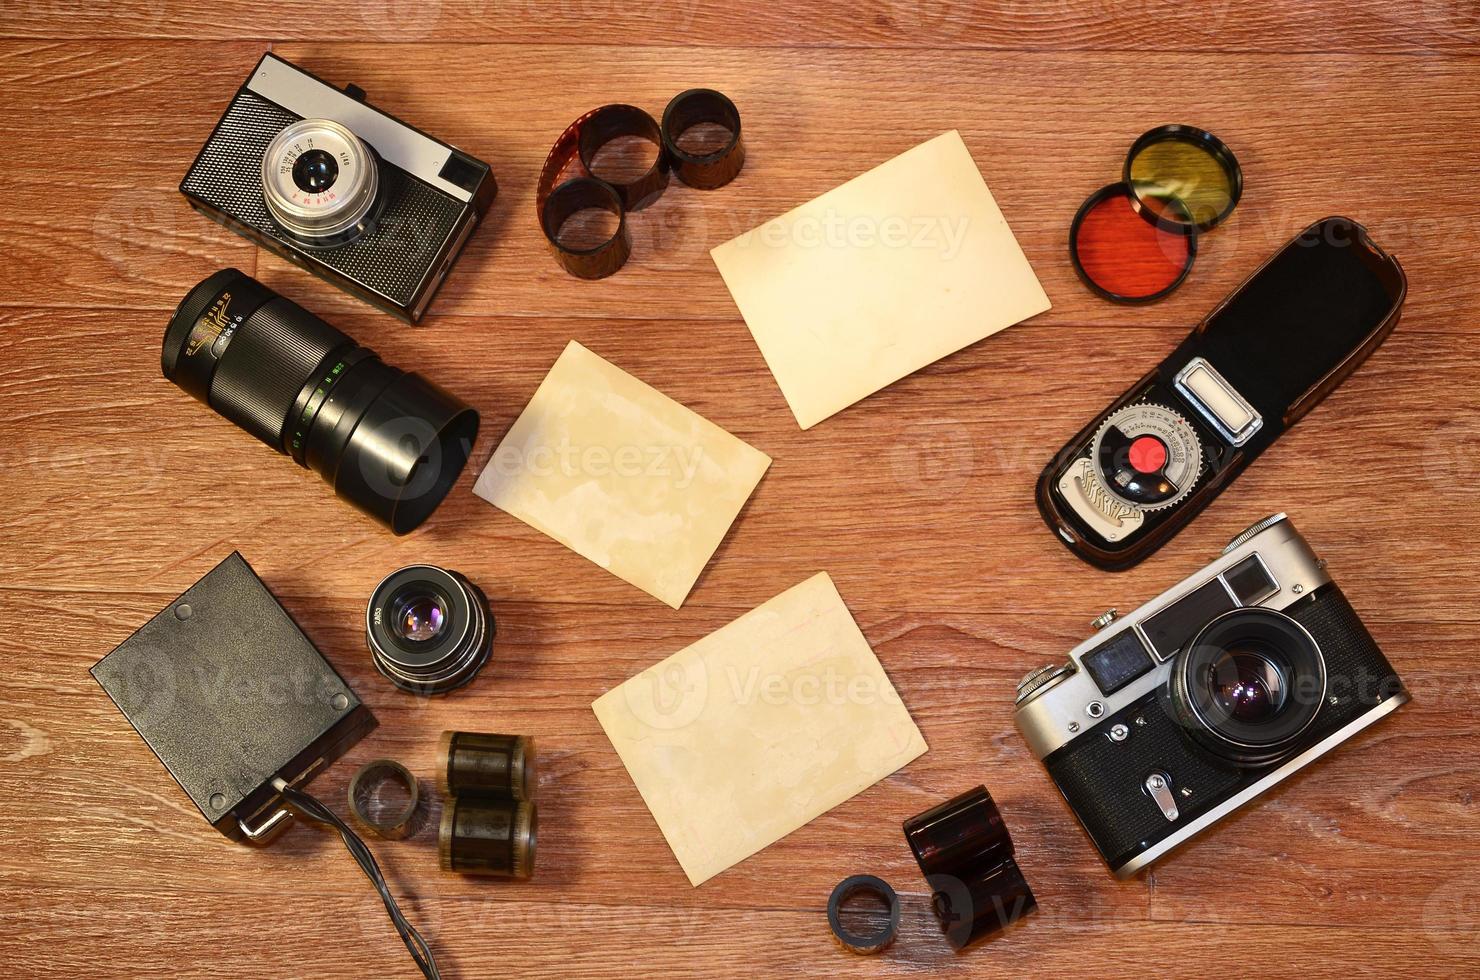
(312, 809)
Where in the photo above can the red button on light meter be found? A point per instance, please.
(1148, 454)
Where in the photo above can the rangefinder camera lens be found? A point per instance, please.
(388, 441)
(429, 629)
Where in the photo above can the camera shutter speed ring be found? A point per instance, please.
(320, 182)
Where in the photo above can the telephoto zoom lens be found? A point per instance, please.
(388, 441)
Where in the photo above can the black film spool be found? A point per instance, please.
(371, 776)
(704, 171)
(864, 945)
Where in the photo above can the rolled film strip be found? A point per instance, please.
(576, 152)
(486, 765)
(967, 856)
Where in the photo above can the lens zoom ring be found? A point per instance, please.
(269, 361)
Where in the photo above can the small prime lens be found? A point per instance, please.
(388, 441)
(429, 629)
(1248, 685)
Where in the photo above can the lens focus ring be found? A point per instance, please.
(320, 181)
(269, 364)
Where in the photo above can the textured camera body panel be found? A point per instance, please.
(398, 264)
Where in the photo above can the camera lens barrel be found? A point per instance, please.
(429, 629)
(390, 442)
(1248, 685)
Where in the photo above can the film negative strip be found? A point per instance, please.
(967, 856)
(574, 156)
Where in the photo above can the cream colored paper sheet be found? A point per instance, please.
(879, 277)
(622, 474)
(758, 728)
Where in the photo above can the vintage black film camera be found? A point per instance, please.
(1172, 717)
(329, 182)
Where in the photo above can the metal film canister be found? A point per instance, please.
(486, 765)
(487, 837)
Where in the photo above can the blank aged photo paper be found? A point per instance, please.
(879, 277)
(622, 474)
(748, 734)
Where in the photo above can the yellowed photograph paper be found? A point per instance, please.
(622, 474)
(760, 727)
(879, 277)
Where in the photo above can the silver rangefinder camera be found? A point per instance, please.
(1175, 715)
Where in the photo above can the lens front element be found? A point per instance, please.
(1249, 685)
(421, 618)
(315, 172)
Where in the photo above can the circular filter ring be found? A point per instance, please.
(1187, 165)
(1124, 258)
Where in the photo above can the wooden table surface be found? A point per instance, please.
(119, 491)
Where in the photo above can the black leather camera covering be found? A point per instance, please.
(1285, 338)
(229, 692)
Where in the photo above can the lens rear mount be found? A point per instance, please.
(1249, 685)
(426, 657)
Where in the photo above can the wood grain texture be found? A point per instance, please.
(119, 492)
